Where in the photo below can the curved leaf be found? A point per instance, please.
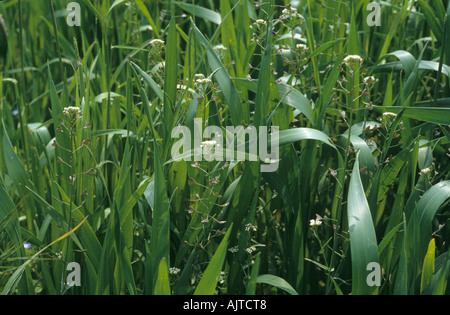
(363, 242)
(297, 134)
(292, 97)
(277, 282)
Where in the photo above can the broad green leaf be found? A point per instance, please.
(428, 266)
(162, 286)
(294, 98)
(297, 134)
(363, 242)
(160, 238)
(435, 115)
(277, 282)
(426, 209)
(201, 12)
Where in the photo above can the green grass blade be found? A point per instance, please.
(297, 100)
(363, 242)
(162, 286)
(426, 209)
(208, 282)
(251, 286)
(230, 93)
(201, 12)
(151, 83)
(147, 15)
(14, 279)
(277, 282)
(428, 266)
(297, 134)
(9, 212)
(170, 76)
(160, 237)
(436, 115)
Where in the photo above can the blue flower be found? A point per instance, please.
(26, 245)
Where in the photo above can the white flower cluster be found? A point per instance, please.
(201, 80)
(156, 42)
(302, 49)
(389, 115)
(250, 227)
(426, 171)
(315, 222)
(174, 270)
(233, 249)
(251, 249)
(290, 13)
(260, 22)
(220, 47)
(208, 144)
(222, 277)
(370, 80)
(353, 60)
(72, 111)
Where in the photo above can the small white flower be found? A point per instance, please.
(251, 249)
(157, 42)
(174, 270)
(220, 47)
(233, 249)
(250, 227)
(425, 171)
(222, 277)
(203, 81)
(369, 80)
(210, 143)
(389, 115)
(291, 13)
(353, 60)
(72, 110)
(302, 48)
(315, 222)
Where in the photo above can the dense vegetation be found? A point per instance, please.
(87, 176)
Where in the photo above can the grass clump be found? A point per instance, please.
(86, 169)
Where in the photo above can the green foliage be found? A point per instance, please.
(87, 176)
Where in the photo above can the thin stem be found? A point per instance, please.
(71, 195)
